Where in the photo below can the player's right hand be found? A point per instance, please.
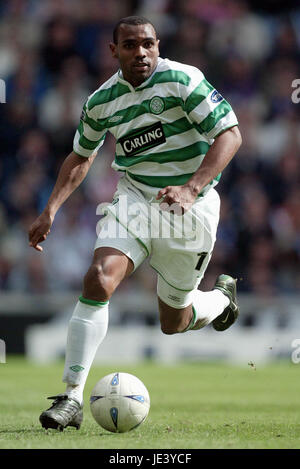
(39, 231)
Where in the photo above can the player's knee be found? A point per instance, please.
(98, 283)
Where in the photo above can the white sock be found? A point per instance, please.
(87, 329)
(207, 306)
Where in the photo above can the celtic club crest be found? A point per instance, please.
(157, 105)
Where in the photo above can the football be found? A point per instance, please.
(119, 402)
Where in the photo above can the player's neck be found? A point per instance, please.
(135, 82)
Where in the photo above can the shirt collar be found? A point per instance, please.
(125, 82)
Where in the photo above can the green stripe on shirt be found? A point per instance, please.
(213, 117)
(107, 95)
(167, 76)
(161, 181)
(181, 154)
(137, 110)
(198, 95)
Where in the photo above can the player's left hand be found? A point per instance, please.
(176, 199)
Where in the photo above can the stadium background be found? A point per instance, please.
(52, 55)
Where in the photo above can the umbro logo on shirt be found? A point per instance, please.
(143, 139)
(115, 119)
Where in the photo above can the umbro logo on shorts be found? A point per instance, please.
(143, 139)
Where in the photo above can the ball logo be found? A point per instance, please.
(216, 97)
(157, 105)
(115, 380)
(114, 416)
(137, 398)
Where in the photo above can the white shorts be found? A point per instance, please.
(179, 246)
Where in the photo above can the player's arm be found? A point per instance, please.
(214, 119)
(216, 159)
(88, 139)
(71, 174)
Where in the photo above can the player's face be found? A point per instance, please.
(137, 51)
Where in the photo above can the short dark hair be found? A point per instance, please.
(132, 20)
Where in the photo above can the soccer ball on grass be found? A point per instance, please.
(119, 402)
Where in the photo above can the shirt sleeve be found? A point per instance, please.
(208, 110)
(89, 136)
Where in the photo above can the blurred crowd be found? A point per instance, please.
(54, 53)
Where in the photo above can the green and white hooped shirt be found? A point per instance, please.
(163, 128)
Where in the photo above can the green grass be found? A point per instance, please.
(195, 405)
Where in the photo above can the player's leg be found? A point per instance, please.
(117, 253)
(182, 262)
(87, 329)
(174, 320)
(89, 323)
(108, 268)
(181, 311)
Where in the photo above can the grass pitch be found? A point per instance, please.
(193, 405)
